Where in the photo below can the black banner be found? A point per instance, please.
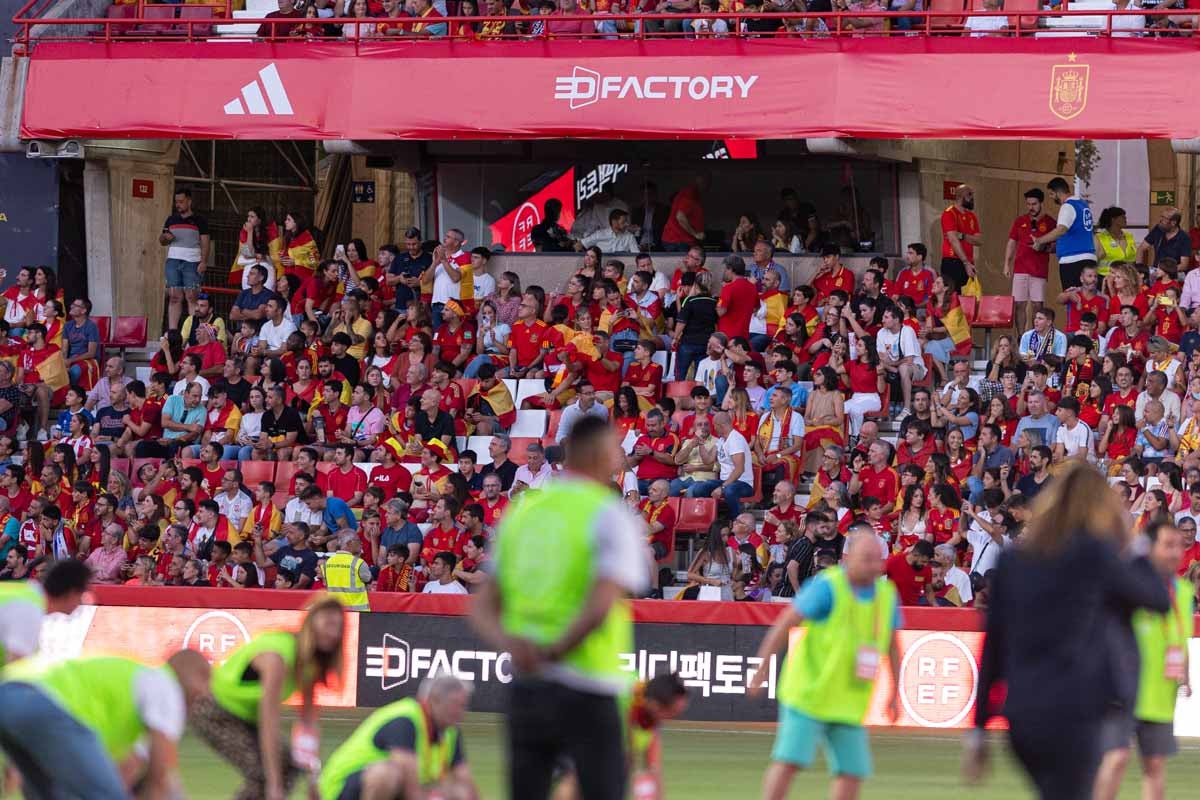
(397, 651)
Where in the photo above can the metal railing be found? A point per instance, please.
(1165, 23)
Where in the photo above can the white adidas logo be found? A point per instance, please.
(252, 93)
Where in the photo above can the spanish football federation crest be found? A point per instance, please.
(1068, 89)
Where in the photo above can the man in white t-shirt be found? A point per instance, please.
(985, 531)
(448, 261)
(1073, 438)
(276, 328)
(900, 356)
(484, 283)
(441, 569)
(945, 555)
(735, 464)
(712, 367)
(59, 703)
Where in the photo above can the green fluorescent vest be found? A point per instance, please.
(19, 592)
(1155, 633)
(818, 676)
(546, 564)
(359, 751)
(341, 579)
(98, 692)
(240, 697)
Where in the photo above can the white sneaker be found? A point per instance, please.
(903, 415)
(43, 437)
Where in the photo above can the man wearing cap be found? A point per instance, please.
(960, 236)
(1161, 358)
(454, 340)
(429, 482)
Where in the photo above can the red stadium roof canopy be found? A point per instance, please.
(883, 87)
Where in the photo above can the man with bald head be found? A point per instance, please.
(660, 528)
(960, 237)
(735, 480)
(850, 613)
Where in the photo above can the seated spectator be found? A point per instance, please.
(909, 572)
(962, 416)
(441, 569)
(251, 302)
(991, 23)
(81, 338)
(784, 375)
(1156, 389)
(653, 456)
(1043, 344)
(534, 472)
(824, 417)
(900, 357)
(780, 437)
(526, 340)
(501, 466)
(735, 473)
(877, 478)
(585, 405)
(432, 422)
(1074, 438)
(490, 407)
(696, 458)
(1156, 437)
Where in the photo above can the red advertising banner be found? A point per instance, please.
(154, 634)
(697, 89)
(513, 229)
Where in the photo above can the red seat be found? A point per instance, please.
(945, 6)
(191, 12)
(1025, 23)
(995, 311)
(255, 472)
(121, 12)
(192, 462)
(128, 332)
(324, 468)
(758, 495)
(969, 305)
(677, 389)
(884, 401)
(516, 453)
(927, 381)
(280, 499)
(467, 385)
(552, 423)
(121, 464)
(284, 471)
(157, 12)
(696, 514)
(103, 323)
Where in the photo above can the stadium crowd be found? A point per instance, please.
(384, 410)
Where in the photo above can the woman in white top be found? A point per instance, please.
(912, 516)
(354, 30)
(250, 428)
(491, 339)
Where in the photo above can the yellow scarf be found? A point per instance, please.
(767, 430)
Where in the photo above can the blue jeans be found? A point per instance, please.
(30, 720)
(759, 342)
(182, 274)
(974, 489)
(472, 369)
(686, 356)
(679, 486)
(722, 386)
(940, 349)
(435, 313)
(733, 494)
(627, 356)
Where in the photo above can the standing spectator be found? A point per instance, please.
(909, 571)
(900, 356)
(651, 216)
(738, 301)
(960, 236)
(685, 223)
(1073, 235)
(616, 237)
(406, 271)
(1026, 266)
(185, 235)
(1113, 242)
(1166, 240)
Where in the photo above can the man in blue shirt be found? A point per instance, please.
(335, 514)
(1167, 240)
(251, 303)
(1073, 233)
(784, 374)
(81, 336)
(404, 270)
(400, 531)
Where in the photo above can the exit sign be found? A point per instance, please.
(1162, 198)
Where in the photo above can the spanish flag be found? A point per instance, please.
(776, 303)
(580, 349)
(304, 254)
(274, 248)
(498, 399)
(955, 322)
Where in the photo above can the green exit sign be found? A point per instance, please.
(1162, 198)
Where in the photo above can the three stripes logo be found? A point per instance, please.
(255, 103)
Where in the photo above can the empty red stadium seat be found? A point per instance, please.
(165, 13)
(927, 381)
(679, 388)
(995, 311)
(255, 472)
(128, 332)
(516, 453)
(946, 22)
(884, 400)
(121, 464)
(552, 422)
(969, 305)
(696, 514)
(284, 471)
(194, 12)
(103, 323)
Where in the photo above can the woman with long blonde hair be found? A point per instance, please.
(241, 720)
(1059, 633)
(1124, 288)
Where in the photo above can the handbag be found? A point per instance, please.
(972, 287)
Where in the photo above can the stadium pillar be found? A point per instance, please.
(125, 204)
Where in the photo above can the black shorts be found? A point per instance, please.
(1153, 738)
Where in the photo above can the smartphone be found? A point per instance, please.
(1164, 300)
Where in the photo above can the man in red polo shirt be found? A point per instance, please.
(604, 371)
(653, 455)
(660, 519)
(685, 223)
(1028, 267)
(833, 275)
(915, 281)
(1124, 393)
(1129, 337)
(493, 502)
(445, 535)
(391, 476)
(960, 236)
(525, 341)
(877, 479)
(454, 340)
(738, 301)
(346, 481)
(910, 572)
(784, 508)
(1078, 300)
